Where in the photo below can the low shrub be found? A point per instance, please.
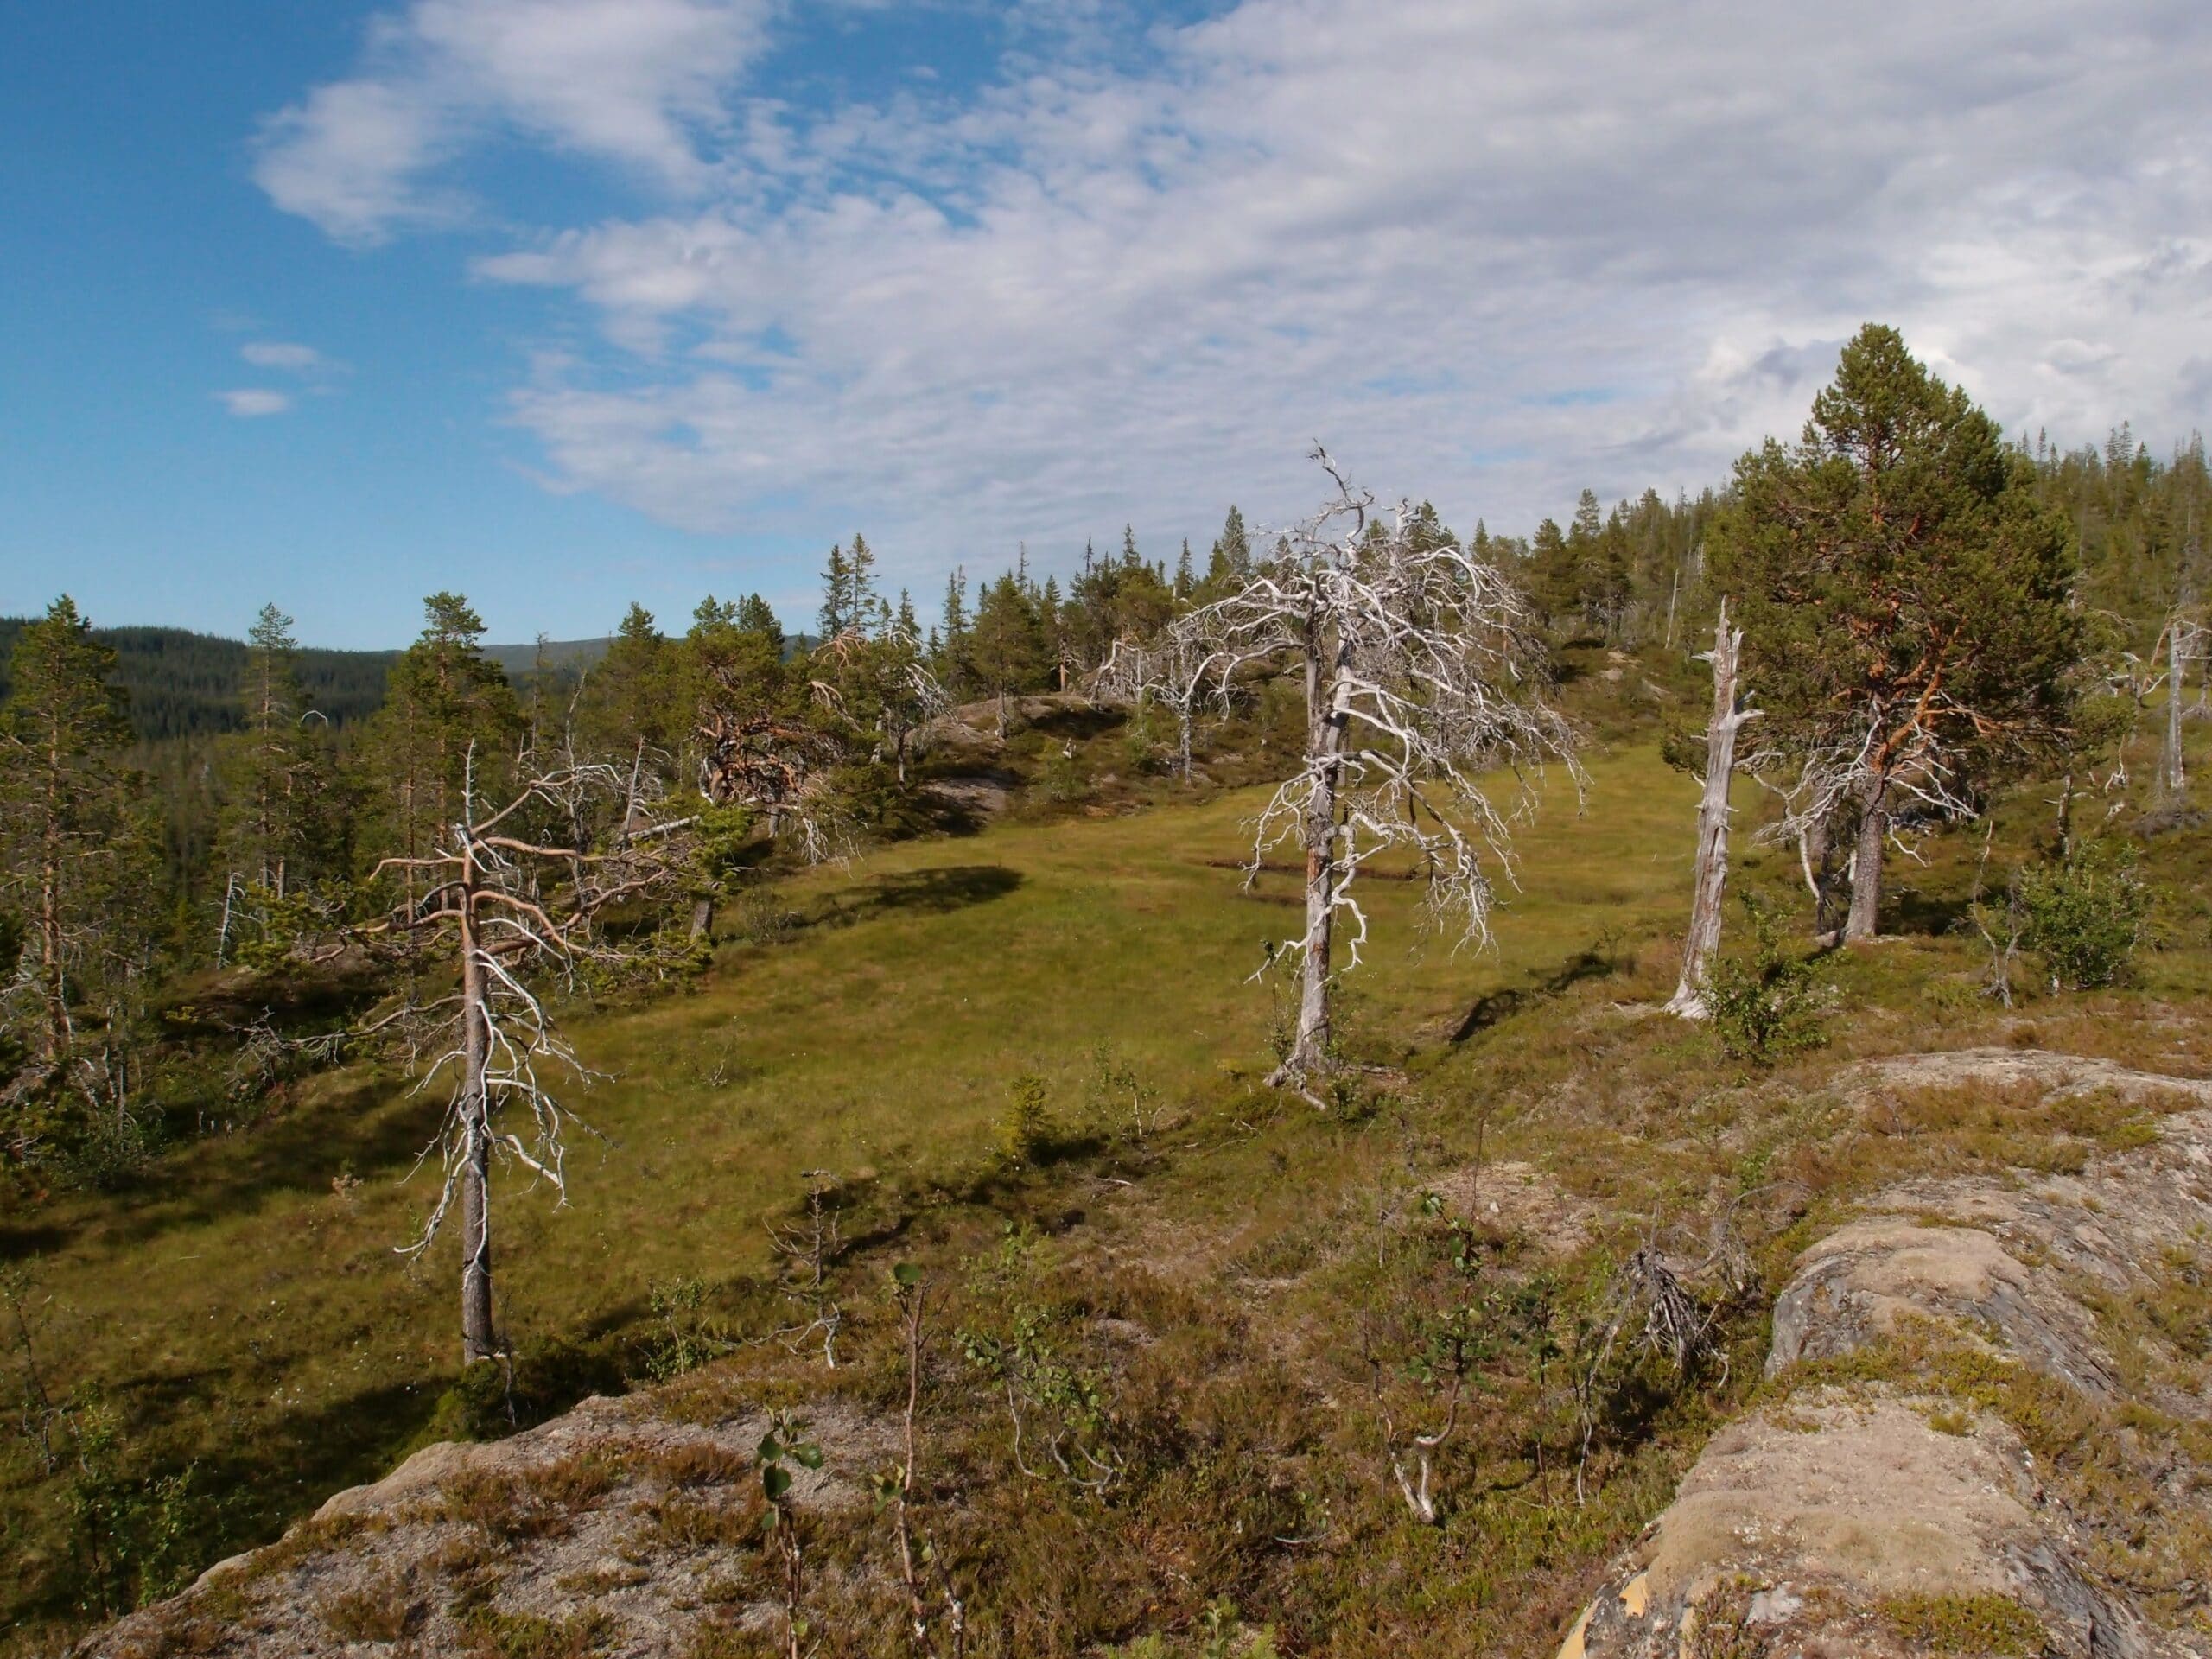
(1769, 1003)
(2085, 914)
(1024, 1127)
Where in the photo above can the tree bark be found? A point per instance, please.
(1861, 922)
(1310, 1054)
(702, 917)
(1711, 878)
(2177, 777)
(54, 983)
(477, 1338)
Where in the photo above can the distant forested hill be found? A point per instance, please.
(186, 685)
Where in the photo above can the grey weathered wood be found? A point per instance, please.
(1711, 880)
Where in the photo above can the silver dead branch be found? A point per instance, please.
(1898, 763)
(517, 906)
(1730, 715)
(1422, 673)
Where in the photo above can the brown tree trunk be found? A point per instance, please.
(1861, 923)
(54, 983)
(1711, 877)
(479, 1339)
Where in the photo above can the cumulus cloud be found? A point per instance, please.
(1490, 253)
(250, 402)
(636, 82)
(286, 355)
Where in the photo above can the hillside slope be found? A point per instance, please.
(1184, 1346)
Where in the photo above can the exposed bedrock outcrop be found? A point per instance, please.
(1884, 1495)
(610, 1529)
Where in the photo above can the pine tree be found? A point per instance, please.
(1555, 577)
(448, 709)
(74, 853)
(1185, 580)
(1006, 650)
(951, 653)
(1906, 600)
(632, 703)
(836, 612)
(278, 776)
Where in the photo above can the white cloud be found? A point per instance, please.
(636, 82)
(285, 355)
(251, 403)
(1489, 251)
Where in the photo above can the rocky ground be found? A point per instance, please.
(1966, 1443)
(1985, 1428)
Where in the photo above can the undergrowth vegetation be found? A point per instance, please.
(1205, 1370)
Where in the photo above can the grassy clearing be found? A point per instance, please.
(244, 1310)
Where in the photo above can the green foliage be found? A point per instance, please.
(2085, 914)
(1906, 598)
(138, 1533)
(1025, 1130)
(181, 684)
(493, 1398)
(448, 725)
(1120, 1101)
(686, 1335)
(1683, 751)
(78, 859)
(1060, 780)
(1771, 1002)
(1994, 1626)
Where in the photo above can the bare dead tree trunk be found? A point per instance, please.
(703, 916)
(478, 1338)
(1427, 651)
(1711, 878)
(2180, 641)
(1310, 1051)
(1861, 922)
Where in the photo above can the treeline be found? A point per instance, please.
(182, 684)
(175, 803)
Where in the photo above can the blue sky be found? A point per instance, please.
(565, 302)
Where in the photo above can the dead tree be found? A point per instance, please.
(1421, 672)
(1729, 716)
(515, 907)
(2181, 649)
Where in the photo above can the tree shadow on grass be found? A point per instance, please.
(928, 893)
(1593, 961)
(360, 1127)
(1917, 911)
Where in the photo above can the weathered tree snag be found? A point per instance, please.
(1711, 881)
(479, 1335)
(2181, 646)
(515, 893)
(1310, 1054)
(1422, 678)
